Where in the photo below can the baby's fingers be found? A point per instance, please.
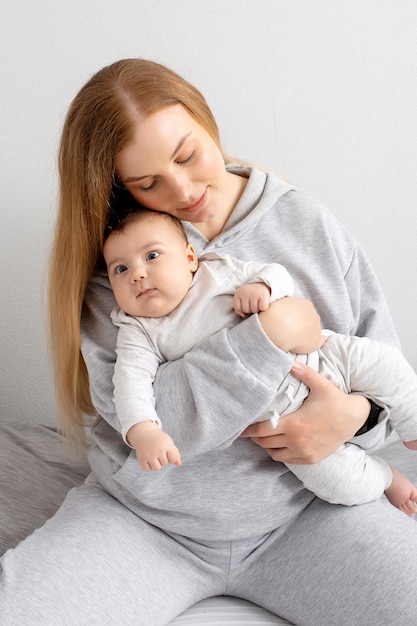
(263, 303)
(174, 456)
(238, 306)
(156, 462)
(149, 464)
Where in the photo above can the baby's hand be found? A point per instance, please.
(154, 448)
(251, 298)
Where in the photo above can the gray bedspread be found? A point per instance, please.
(36, 472)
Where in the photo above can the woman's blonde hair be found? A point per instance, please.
(99, 124)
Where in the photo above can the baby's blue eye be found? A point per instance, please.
(120, 269)
(152, 255)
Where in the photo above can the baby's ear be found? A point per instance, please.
(192, 258)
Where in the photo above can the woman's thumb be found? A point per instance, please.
(307, 375)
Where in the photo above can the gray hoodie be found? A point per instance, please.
(228, 488)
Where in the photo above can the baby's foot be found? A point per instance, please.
(402, 493)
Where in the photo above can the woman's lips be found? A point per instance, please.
(197, 205)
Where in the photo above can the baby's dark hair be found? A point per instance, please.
(121, 215)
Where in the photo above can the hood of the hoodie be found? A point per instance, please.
(261, 193)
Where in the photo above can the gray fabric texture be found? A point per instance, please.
(36, 472)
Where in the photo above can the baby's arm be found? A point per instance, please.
(154, 448)
(134, 372)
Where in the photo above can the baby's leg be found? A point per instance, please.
(401, 493)
(380, 372)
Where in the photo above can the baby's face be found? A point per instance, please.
(150, 266)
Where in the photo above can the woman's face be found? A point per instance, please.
(174, 166)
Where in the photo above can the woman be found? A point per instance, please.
(130, 548)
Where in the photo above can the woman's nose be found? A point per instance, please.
(182, 186)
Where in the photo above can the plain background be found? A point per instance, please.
(321, 91)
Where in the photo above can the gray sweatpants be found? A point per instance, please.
(96, 562)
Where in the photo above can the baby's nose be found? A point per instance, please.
(139, 272)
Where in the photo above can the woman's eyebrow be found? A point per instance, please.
(135, 179)
(180, 144)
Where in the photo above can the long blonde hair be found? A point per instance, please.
(99, 124)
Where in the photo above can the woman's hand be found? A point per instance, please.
(327, 419)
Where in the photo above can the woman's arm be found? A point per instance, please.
(226, 382)
(329, 417)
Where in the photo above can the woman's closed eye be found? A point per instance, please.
(189, 158)
(156, 180)
(151, 186)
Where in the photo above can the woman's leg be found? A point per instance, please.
(95, 562)
(334, 565)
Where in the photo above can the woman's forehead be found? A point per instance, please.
(159, 135)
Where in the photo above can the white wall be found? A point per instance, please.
(323, 91)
